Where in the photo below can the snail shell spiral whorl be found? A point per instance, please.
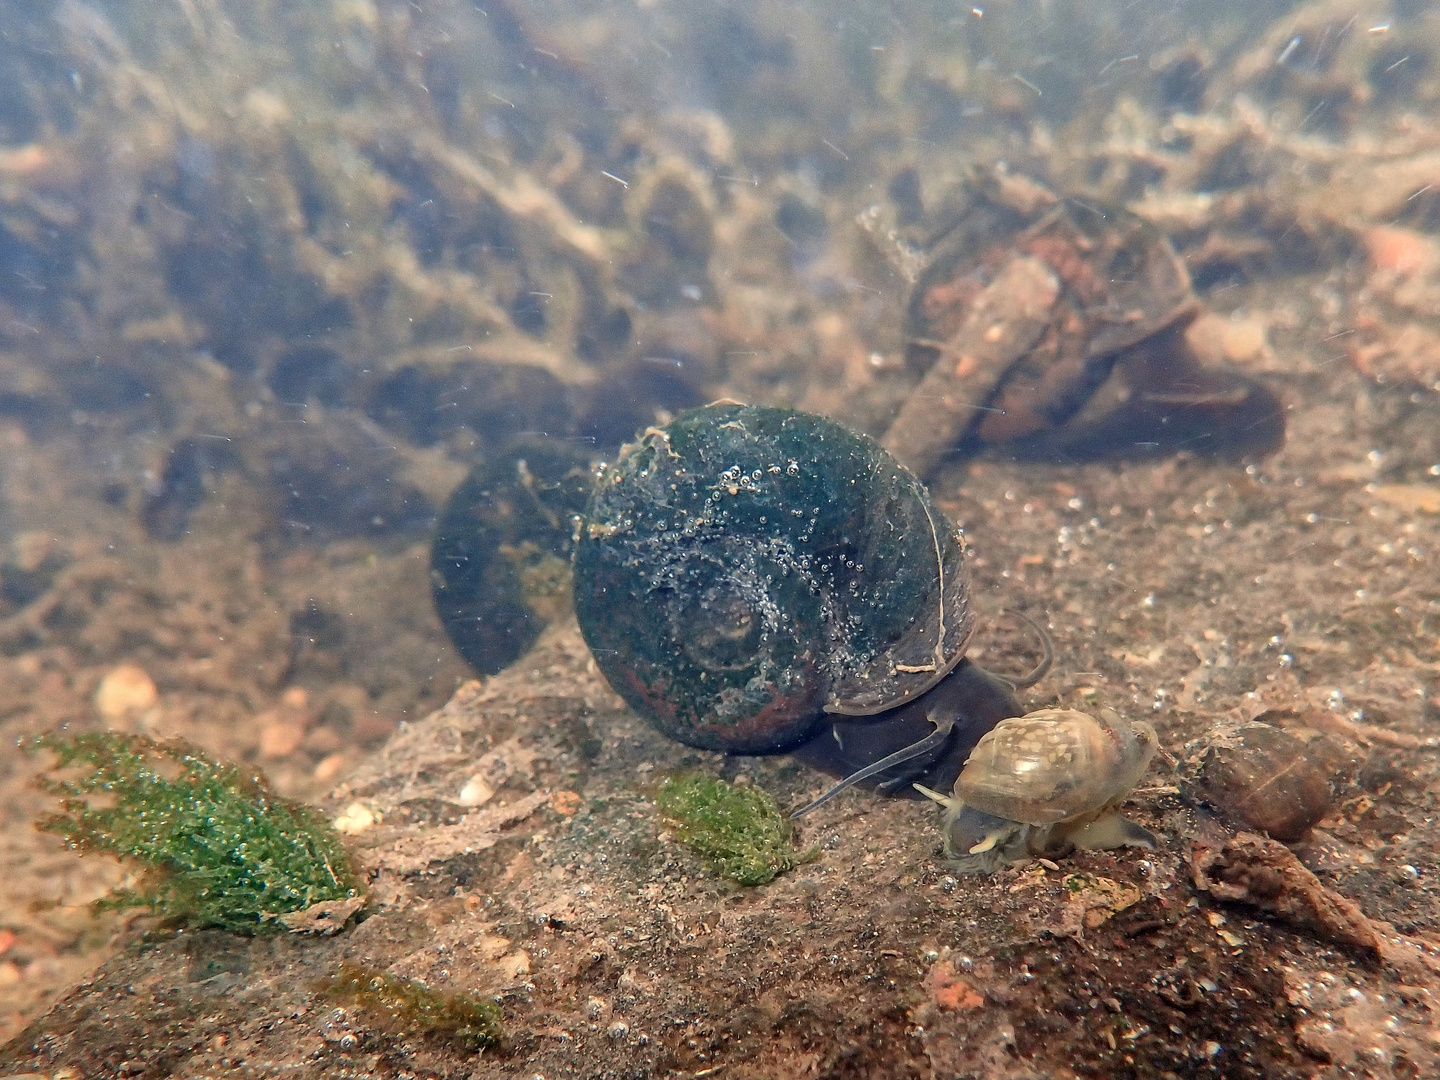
(744, 570)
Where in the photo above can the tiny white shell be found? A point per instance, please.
(1054, 765)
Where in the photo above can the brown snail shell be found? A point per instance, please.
(1053, 326)
(1264, 778)
(1044, 782)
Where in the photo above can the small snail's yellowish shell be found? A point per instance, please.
(1054, 766)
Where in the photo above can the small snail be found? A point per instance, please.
(1043, 783)
(746, 575)
(1264, 778)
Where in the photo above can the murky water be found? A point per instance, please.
(1149, 295)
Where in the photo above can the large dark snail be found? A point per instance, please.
(756, 580)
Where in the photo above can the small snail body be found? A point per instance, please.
(745, 573)
(1265, 778)
(1043, 783)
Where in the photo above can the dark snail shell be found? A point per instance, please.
(744, 570)
(499, 559)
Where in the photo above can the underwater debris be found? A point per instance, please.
(1054, 327)
(218, 848)
(406, 1007)
(1255, 870)
(738, 831)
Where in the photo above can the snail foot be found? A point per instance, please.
(1108, 832)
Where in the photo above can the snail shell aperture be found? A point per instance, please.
(743, 571)
(1045, 782)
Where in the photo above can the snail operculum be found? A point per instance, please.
(1043, 783)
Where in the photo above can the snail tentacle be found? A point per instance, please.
(936, 739)
(1047, 644)
(947, 801)
(944, 714)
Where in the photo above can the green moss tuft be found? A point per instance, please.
(218, 847)
(406, 1007)
(738, 831)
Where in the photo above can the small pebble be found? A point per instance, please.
(329, 767)
(1415, 498)
(355, 818)
(515, 964)
(565, 802)
(1401, 251)
(477, 791)
(279, 736)
(125, 690)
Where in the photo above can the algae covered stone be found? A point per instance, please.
(217, 846)
(405, 1007)
(738, 831)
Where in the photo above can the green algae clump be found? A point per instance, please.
(217, 847)
(407, 1007)
(738, 831)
